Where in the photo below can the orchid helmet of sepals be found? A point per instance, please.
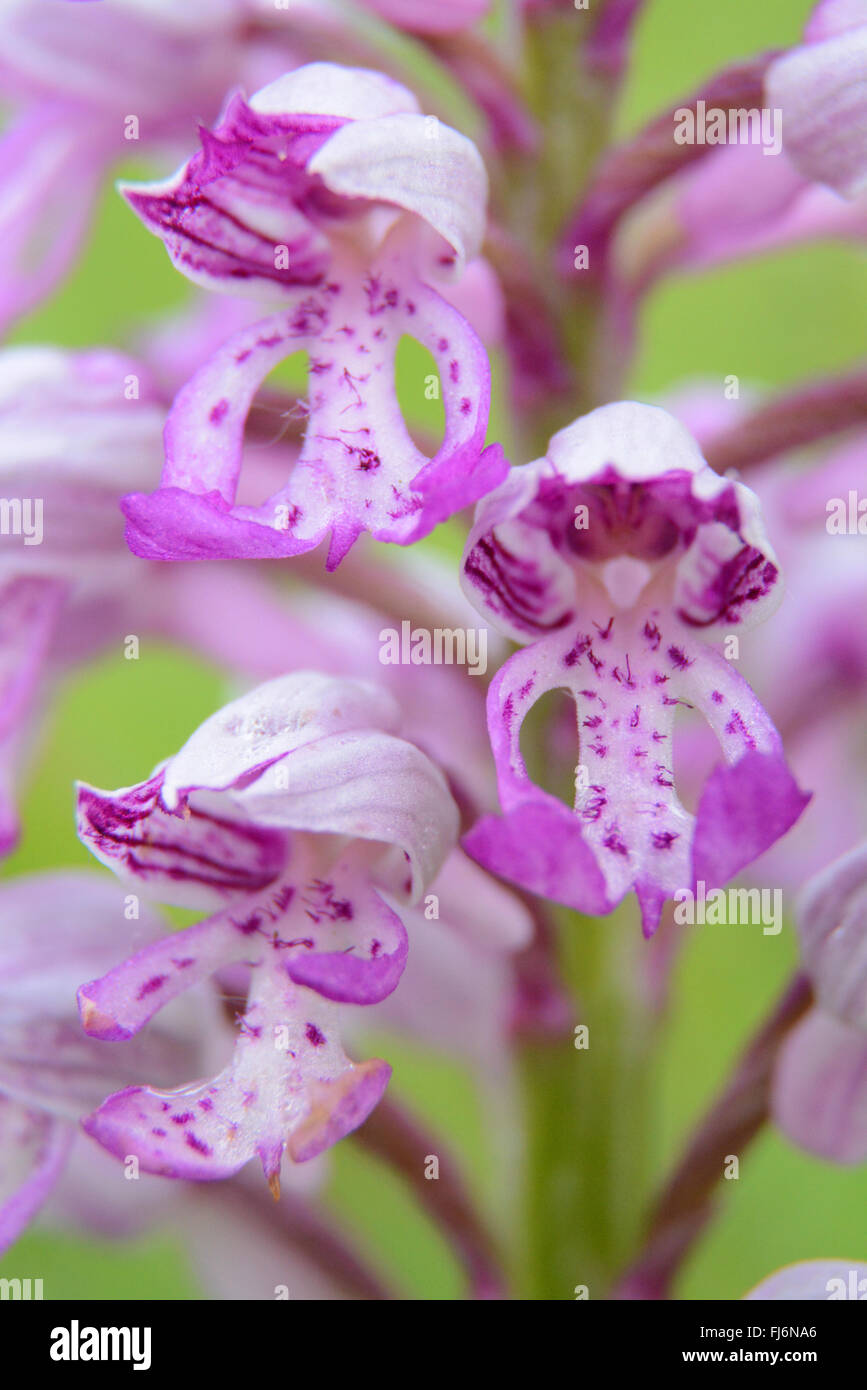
(300, 815)
(619, 558)
(331, 195)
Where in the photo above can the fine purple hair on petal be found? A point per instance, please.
(820, 1089)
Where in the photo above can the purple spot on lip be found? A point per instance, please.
(183, 1119)
(314, 1036)
(194, 1143)
(717, 697)
(150, 985)
(219, 411)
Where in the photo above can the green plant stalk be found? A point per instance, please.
(586, 1113)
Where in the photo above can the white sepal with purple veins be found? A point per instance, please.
(820, 1086)
(619, 559)
(333, 198)
(299, 814)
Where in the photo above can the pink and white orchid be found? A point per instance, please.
(329, 192)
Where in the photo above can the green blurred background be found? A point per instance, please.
(771, 321)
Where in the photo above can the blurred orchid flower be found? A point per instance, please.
(821, 90)
(814, 1280)
(91, 83)
(619, 558)
(330, 192)
(820, 1092)
(75, 429)
(55, 928)
(300, 814)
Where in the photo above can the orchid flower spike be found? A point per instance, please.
(330, 195)
(299, 815)
(620, 558)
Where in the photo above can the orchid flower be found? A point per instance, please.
(75, 428)
(328, 193)
(55, 928)
(814, 1280)
(301, 816)
(620, 558)
(79, 75)
(821, 90)
(820, 1094)
(713, 204)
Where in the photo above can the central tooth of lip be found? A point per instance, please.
(624, 578)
